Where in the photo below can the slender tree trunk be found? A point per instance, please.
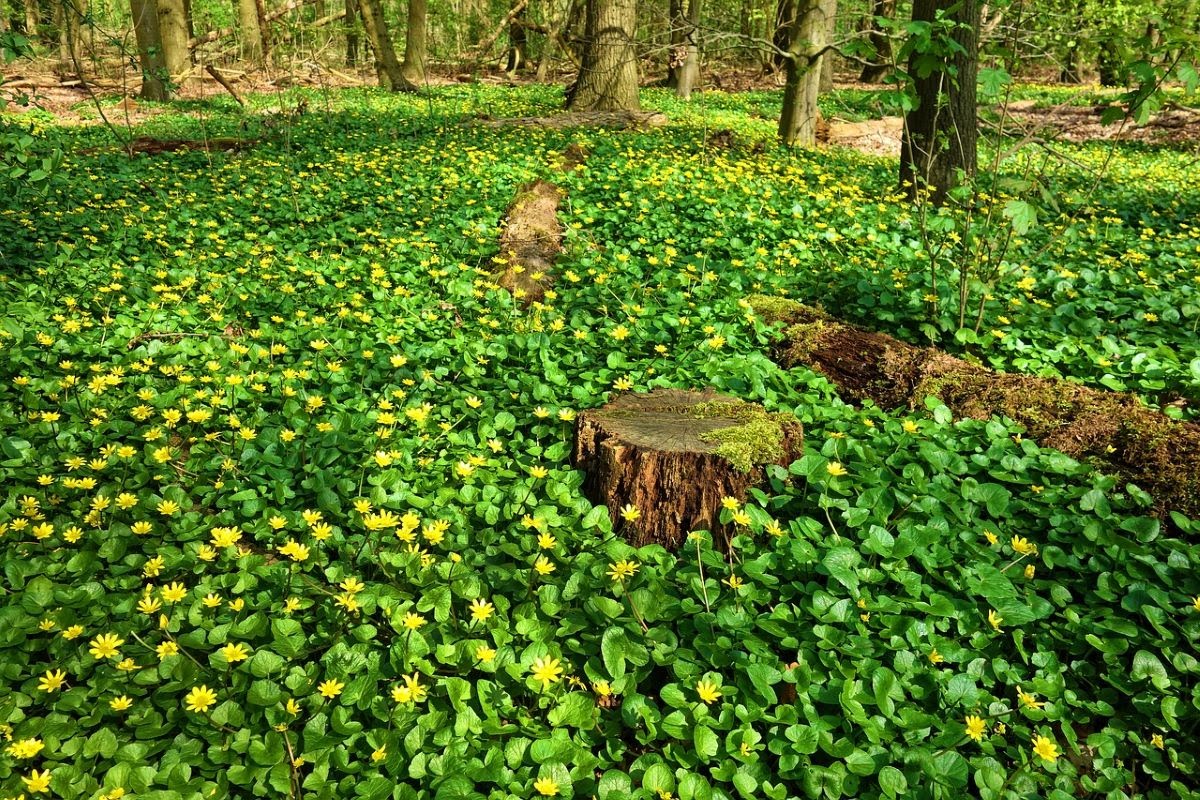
(264, 29)
(881, 64)
(608, 79)
(684, 68)
(784, 11)
(252, 43)
(173, 31)
(351, 28)
(1108, 63)
(807, 26)
(150, 54)
(518, 43)
(33, 17)
(1070, 66)
(941, 133)
(64, 37)
(827, 59)
(381, 45)
(416, 53)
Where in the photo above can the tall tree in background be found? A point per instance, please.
(391, 74)
(881, 62)
(608, 78)
(350, 28)
(684, 67)
(150, 54)
(941, 132)
(518, 39)
(807, 26)
(416, 51)
(173, 32)
(33, 16)
(251, 30)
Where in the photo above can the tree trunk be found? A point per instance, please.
(1070, 66)
(518, 42)
(64, 37)
(1114, 430)
(1109, 64)
(684, 67)
(826, 84)
(33, 17)
(381, 45)
(150, 55)
(608, 79)
(784, 11)
(252, 44)
(673, 456)
(940, 133)
(807, 23)
(351, 28)
(173, 31)
(416, 53)
(881, 64)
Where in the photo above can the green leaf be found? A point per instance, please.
(1146, 665)
(892, 782)
(575, 710)
(707, 743)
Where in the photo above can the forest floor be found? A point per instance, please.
(288, 503)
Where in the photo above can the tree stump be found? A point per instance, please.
(674, 455)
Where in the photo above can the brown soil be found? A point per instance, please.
(1083, 123)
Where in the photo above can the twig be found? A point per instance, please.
(211, 70)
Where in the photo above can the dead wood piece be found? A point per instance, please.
(573, 157)
(225, 84)
(154, 147)
(1113, 431)
(530, 242)
(674, 455)
(620, 120)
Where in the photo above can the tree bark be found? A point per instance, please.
(785, 10)
(1112, 429)
(518, 42)
(416, 52)
(881, 64)
(173, 32)
(668, 455)
(252, 41)
(381, 45)
(150, 55)
(608, 79)
(1109, 63)
(684, 67)
(531, 242)
(826, 84)
(807, 24)
(941, 132)
(351, 28)
(33, 18)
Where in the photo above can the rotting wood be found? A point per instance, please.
(530, 242)
(1112, 431)
(674, 455)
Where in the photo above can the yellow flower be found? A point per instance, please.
(413, 621)
(235, 652)
(148, 604)
(1157, 741)
(621, 570)
(602, 688)
(166, 649)
(294, 550)
(994, 619)
(37, 782)
(935, 657)
(909, 426)
(1045, 748)
(630, 513)
(106, 645)
(546, 541)
(25, 748)
(292, 706)
(120, 703)
(1196, 603)
(1023, 546)
(975, 728)
(379, 754)
(543, 565)
(708, 691)
(1028, 699)
(485, 654)
(481, 609)
(538, 472)
(167, 507)
(173, 592)
(331, 688)
(1030, 571)
(991, 538)
(200, 699)
(546, 787)
(546, 670)
(835, 469)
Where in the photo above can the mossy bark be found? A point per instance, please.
(1115, 432)
(674, 455)
(530, 242)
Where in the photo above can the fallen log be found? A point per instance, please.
(1115, 432)
(530, 242)
(674, 455)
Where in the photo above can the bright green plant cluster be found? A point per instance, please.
(287, 507)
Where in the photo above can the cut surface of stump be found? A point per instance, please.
(530, 242)
(1113, 431)
(674, 455)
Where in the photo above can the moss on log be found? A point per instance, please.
(1113, 431)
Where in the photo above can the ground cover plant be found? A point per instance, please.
(287, 508)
